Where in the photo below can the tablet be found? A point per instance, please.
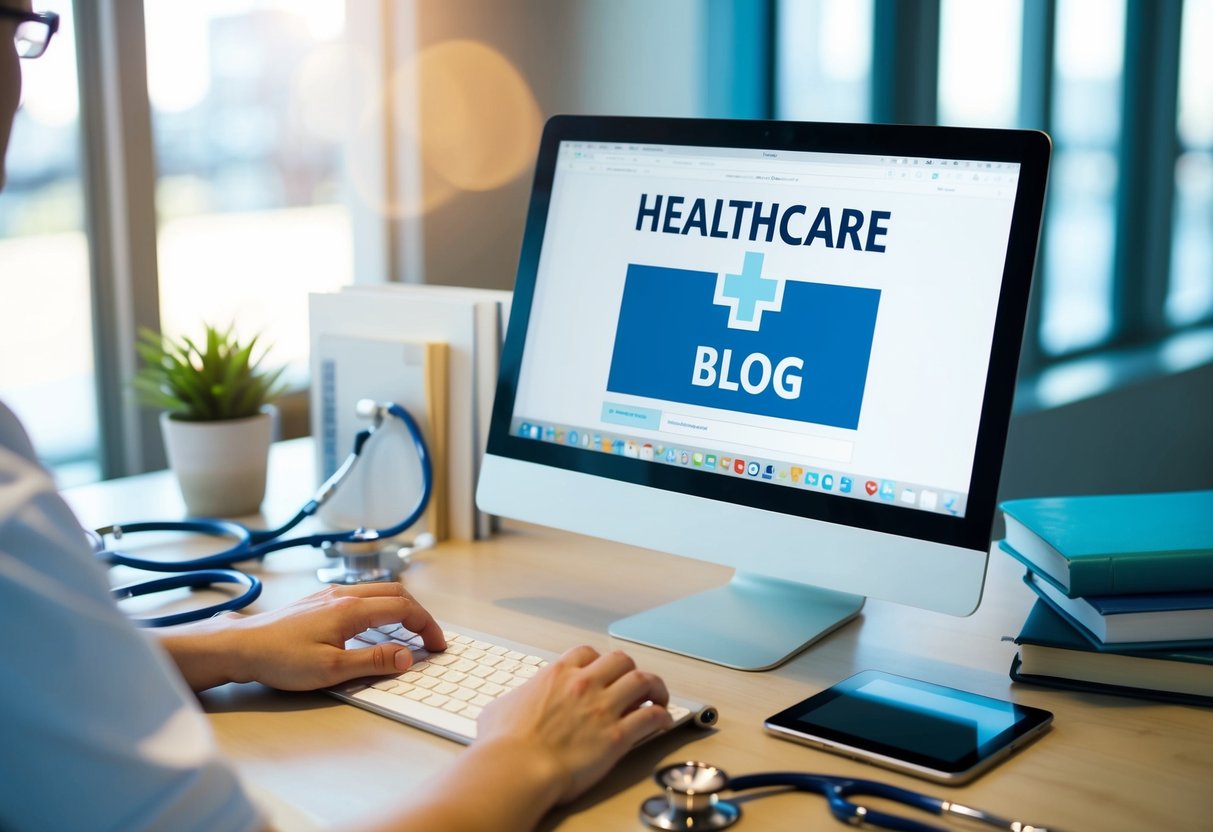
(920, 728)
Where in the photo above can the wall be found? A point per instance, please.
(1155, 434)
(588, 58)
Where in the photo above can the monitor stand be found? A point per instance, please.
(753, 622)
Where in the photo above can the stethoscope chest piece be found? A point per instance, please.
(691, 799)
(369, 560)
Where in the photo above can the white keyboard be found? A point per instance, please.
(444, 692)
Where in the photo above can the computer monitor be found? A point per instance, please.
(789, 348)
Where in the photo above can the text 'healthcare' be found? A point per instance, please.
(862, 230)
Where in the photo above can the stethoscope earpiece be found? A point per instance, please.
(691, 799)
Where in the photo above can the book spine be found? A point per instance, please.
(1141, 573)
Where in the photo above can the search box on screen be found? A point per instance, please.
(781, 443)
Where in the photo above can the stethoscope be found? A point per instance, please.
(255, 544)
(691, 800)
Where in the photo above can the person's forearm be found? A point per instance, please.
(204, 652)
(492, 786)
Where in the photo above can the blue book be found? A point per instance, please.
(1116, 544)
(1157, 621)
(1053, 653)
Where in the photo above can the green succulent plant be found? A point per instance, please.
(219, 380)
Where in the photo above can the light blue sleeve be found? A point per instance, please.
(99, 730)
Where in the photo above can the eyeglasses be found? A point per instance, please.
(34, 31)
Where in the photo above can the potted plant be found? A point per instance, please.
(216, 417)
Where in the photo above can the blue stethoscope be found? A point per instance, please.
(255, 544)
(691, 800)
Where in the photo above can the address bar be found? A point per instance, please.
(774, 166)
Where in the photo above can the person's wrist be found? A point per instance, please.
(540, 774)
(208, 653)
(231, 642)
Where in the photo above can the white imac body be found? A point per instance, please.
(785, 348)
(751, 623)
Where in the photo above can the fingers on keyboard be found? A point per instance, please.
(447, 690)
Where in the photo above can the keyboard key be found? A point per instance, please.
(436, 700)
(374, 637)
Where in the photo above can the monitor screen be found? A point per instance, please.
(817, 321)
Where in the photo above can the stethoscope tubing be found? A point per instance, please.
(836, 790)
(253, 544)
(194, 580)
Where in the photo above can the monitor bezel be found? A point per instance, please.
(1030, 149)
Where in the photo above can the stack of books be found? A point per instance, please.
(1125, 586)
(432, 349)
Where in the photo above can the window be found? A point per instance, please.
(46, 330)
(1068, 67)
(1086, 121)
(1190, 291)
(248, 115)
(824, 57)
(979, 53)
(252, 106)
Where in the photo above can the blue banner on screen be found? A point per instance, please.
(745, 341)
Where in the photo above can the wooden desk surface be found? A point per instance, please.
(1107, 764)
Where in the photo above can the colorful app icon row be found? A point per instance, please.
(885, 490)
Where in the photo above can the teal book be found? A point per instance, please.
(1116, 544)
(1159, 621)
(1054, 654)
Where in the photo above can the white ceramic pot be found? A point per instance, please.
(220, 466)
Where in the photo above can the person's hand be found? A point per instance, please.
(578, 716)
(302, 646)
